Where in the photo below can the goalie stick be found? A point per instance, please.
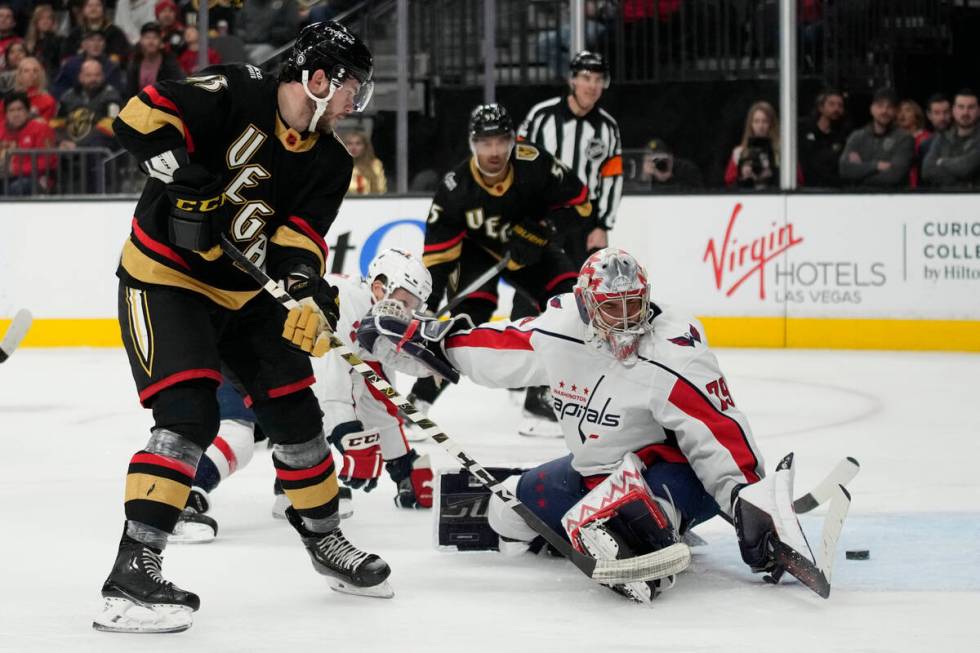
(842, 474)
(15, 333)
(652, 566)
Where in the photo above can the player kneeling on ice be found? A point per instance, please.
(657, 444)
(363, 426)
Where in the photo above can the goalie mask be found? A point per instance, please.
(331, 47)
(613, 298)
(406, 281)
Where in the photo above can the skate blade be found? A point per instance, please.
(192, 533)
(380, 591)
(540, 428)
(124, 616)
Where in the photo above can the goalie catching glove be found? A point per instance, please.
(309, 326)
(413, 346)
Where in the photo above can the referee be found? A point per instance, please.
(586, 139)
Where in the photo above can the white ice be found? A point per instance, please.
(69, 421)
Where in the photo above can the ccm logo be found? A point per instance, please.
(365, 440)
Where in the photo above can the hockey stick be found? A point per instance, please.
(15, 333)
(652, 566)
(841, 475)
(479, 281)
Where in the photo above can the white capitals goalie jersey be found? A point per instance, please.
(673, 405)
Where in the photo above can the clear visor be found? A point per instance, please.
(620, 313)
(359, 94)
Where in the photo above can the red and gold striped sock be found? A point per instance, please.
(312, 491)
(156, 489)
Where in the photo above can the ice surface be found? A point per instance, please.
(69, 421)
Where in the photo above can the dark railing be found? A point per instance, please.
(79, 171)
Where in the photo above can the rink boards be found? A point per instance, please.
(861, 271)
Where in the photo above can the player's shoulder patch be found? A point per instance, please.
(253, 71)
(689, 339)
(449, 181)
(211, 83)
(525, 152)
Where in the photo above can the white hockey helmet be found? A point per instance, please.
(402, 270)
(613, 298)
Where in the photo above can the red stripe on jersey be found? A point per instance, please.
(302, 474)
(434, 247)
(289, 389)
(174, 379)
(227, 452)
(575, 201)
(158, 247)
(561, 277)
(166, 103)
(661, 452)
(310, 233)
(165, 461)
(510, 338)
(726, 430)
(480, 294)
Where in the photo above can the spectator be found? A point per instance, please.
(368, 177)
(20, 131)
(93, 18)
(151, 64)
(755, 161)
(822, 140)
(132, 14)
(940, 116)
(86, 112)
(188, 58)
(8, 64)
(43, 41)
(8, 29)
(664, 172)
(878, 155)
(954, 159)
(171, 29)
(913, 120)
(264, 25)
(93, 47)
(32, 81)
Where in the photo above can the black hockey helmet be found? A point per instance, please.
(591, 61)
(490, 120)
(330, 46)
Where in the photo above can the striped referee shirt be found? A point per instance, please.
(589, 145)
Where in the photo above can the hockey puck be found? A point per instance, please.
(859, 554)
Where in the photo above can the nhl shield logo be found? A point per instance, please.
(595, 150)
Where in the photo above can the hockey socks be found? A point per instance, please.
(231, 450)
(158, 483)
(307, 475)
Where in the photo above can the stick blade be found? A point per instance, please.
(801, 568)
(19, 327)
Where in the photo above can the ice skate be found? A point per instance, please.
(539, 418)
(281, 502)
(347, 568)
(138, 599)
(194, 526)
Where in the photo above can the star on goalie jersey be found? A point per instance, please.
(465, 207)
(287, 186)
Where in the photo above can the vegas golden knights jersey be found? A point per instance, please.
(287, 186)
(465, 208)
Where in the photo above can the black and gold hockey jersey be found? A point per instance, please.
(287, 186)
(465, 208)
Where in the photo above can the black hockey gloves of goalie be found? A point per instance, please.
(199, 210)
(528, 240)
(414, 346)
(308, 326)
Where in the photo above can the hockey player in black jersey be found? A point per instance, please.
(506, 198)
(231, 152)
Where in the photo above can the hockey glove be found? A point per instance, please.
(414, 346)
(199, 211)
(361, 453)
(413, 476)
(308, 326)
(527, 242)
